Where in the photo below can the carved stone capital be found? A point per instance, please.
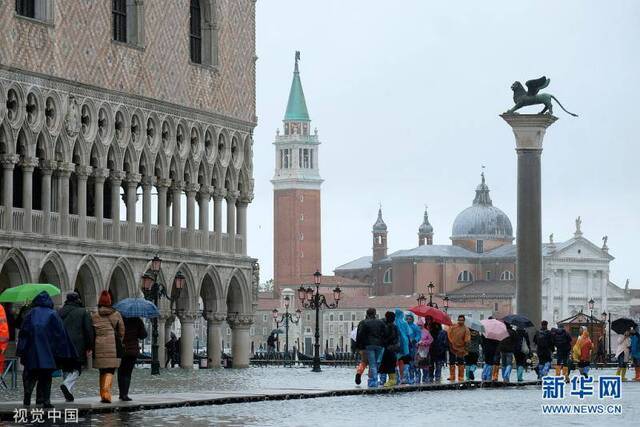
(219, 194)
(83, 171)
(29, 164)
(100, 174)
(191, 188)
(117, 176)
(206, 190)
(132, 179)
(48, 166)
(232, 196)
(164, 183)
(8, 161)
(64, 169)
(148, 181)
(177, 186)
(240, 320)
(245, 198)
(188, 317)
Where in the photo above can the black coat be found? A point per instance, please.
(371, 331)
(544, 342)
(77, 322)
(508, 345)
(522, 337)
(134, 331)
(489, 349)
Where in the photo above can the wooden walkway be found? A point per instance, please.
(142, 402)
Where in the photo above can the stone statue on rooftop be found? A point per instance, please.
(551, 238)
(523, 98)
(578, 225)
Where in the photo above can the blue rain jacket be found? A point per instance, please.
(404, 333)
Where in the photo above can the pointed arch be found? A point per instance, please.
(203, 175)
(188, 294)
(121, 281)
(217, 176)
(144, 164)
(43, 151)
(114, 158)
(88, 280)
(14, 269)
(160, 169)
(189, 172)
(6, 147)
(230, 180)
(129, 161)
(53, 270)
(97, 158)
(78, 155)
(22, 143)
(174, 169)
(60, 151)
(212, 291)
(238, 294)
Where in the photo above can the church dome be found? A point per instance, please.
(482, 220)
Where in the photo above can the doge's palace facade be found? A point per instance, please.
(126, 132)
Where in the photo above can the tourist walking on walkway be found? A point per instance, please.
(506, 348)
(414, 337)
(490, 355)
(42, 344)
(77, 322)
(173, 350)
(437, 351)
(562, 343)
(582, 352)
(622, 354)
(635, 353)
(133, 332)
(109, 330)
(371, 339)
(522, 350)
(362, 364)
(404, 357)
(459, 335)
(391, 348)
(423, 359)
(544, 348)
(473, 353)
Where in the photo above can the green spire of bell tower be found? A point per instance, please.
(297, 106)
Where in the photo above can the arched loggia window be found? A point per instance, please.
(203, 33)
(195, 32)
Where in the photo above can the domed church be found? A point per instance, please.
(479, 265)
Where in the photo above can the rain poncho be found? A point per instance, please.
(424, 343)
(404, 333)
(635, 346)
(4, 337)
(458, 336)
(415, 336)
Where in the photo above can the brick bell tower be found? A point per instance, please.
(296, 195)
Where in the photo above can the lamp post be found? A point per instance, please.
(152, 291)
(445, 303)
(591, 303)
(314, 300)
(286, 318)
(607, 319)
(430, 288)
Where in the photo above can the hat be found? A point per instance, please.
(105, 299)
(73, 297)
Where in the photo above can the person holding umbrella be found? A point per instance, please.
(77, 322)
(507, 348)
(437, 351)
(622, 354)
(522, 350)
(134, 331)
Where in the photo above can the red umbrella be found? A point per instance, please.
(437, 315)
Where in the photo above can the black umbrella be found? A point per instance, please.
(517, 320)
(622, 325)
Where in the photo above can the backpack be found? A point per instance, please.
(544, 339)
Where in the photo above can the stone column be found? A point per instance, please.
(162, 340)
(243, 202)
(46, 168)
(147, 184)
(163, 186)
(241, 340)
(589, 285)
(186, 341)
(132, 181)
(116, 182)
(529, 130)
(191, 190)
(203, 201)
(565, 293)
(176, 191)
(64, 172)
(218, 195)
(232, 197)
(8, 163)
(99, 176)
(214, 339)
(28, 165)
(551, 295)
(604, 276)
(82, 173)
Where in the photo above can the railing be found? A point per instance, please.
(18, 219)
(207, 241)
(74, 224)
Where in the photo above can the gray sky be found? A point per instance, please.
(406, 100)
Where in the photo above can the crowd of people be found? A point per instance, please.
(61, 342)
(399, 349)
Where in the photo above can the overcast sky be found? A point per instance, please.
(406, 97)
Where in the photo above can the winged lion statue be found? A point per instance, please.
(531, 96)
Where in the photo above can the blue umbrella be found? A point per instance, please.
(137, 307)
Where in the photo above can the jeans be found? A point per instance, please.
(507, 362)
(374, 356)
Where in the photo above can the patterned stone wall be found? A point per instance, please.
(78, 46)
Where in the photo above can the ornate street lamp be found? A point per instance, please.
(607, 318)
(286, 318)
(152, 291)
(591, 303)
(430, 289)
(314, 301)
(445, 303)
(421, 299)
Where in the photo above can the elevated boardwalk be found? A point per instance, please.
(141, 402)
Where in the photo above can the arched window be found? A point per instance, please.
(465, 276)
(119, 12)
(203, 33)
(506, 275)
(388, 276)
(195, 32)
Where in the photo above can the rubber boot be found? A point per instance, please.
(520, 373)
(102, 393)
(545, 369)
(506, 373)
(618, 372)
(565, 372)
(461, 373)
(452, 373)
(425, 375)
(400, 371)
(623, 373)
(585, 371)
(472, 372)
(495, 372)
(108, 383)
(382, 378)
(406, 375)
(637, 377)
(391, 381)
(467, 373)
(558, 370)
(486, 372)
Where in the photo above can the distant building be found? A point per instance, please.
(480, 266)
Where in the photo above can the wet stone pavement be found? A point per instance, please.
(477, 407)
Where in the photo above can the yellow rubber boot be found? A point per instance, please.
(565, 372)
(623, 373)
(391, 381)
